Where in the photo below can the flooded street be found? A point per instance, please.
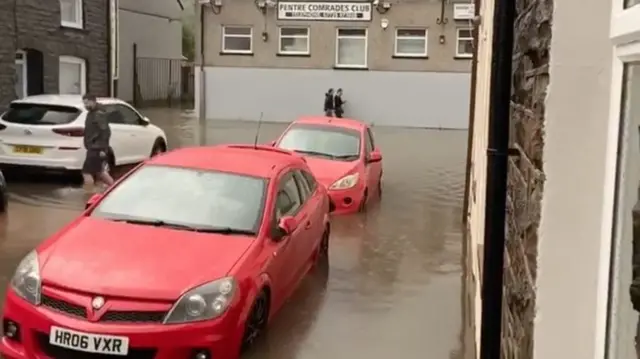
(394, 287)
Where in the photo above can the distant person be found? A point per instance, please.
(328, 103)
(338, 104)
(96, 141)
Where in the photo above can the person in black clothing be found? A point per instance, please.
(634, 289)
(338, 103)
(96, 141)
(328, 103)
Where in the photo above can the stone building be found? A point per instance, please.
(400, 62)
(575, 120)
(53, 46)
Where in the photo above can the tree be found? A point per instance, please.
(188, 42)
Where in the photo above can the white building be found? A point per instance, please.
(591, 173)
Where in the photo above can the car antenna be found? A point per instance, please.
(255, 140)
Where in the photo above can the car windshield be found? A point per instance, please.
(188, 199)
(324, 141)
(36, 114)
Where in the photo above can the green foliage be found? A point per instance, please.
(188, 42)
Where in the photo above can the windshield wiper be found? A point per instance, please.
(160, 223)
(346, 157)
(314, 153)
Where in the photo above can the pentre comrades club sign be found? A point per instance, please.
(328, 11)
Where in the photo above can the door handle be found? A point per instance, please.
(307, 225)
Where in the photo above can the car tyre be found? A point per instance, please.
(256, 322)
(363, 204)
(380, 187)
(158, 147)
(4, 200)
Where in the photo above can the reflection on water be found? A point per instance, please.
(394, 285)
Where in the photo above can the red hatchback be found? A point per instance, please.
(188, 256)
(342, 155)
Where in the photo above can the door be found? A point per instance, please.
(119, 135)
(72, 76)
(373, 169)
(313, 205)
(133, 137)
(283, 269)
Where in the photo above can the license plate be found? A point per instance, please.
(90, 343)
(31, 150)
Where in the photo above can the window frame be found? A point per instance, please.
(224, 50)
(294, 53)
(79, 20)
(424, 54)
(23, 63)
(83, 70)
(463, 38)
(366, 47)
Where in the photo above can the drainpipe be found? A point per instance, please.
(202, 105)
(496, 191)
(472, 115)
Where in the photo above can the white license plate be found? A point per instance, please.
(90, 343)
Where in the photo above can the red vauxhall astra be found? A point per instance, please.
(342, 155)
(188, 256)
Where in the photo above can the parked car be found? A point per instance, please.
(46, 131)
(342, 155)
(189, 255)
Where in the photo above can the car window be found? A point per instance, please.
(324, 141)
(129, 116)
(187, 196)
(305, 191)
(36, 114)
(369, 141)
(311, 181)
(288, 200)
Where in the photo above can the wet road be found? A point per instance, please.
(394, 287)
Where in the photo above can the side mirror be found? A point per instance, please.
(286, 226)
(145, 121)
(93, 200)
(375, 156)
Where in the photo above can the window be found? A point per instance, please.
(351, 48)
(411, 43)
(71, 13)
(305, 190)
(21, 74)
(630, 3)
(310, 180)
(72, 77)
(464, 48)
(237, 39)
(294, 41)
(369, 141)
(129, 116)
(34, 114)
(288, 200)
(323, 141)
(206, 199)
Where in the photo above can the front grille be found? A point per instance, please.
(114, 316)
(55, 352)
(64, 307)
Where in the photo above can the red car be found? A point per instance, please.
(342, 155)
(188, 256)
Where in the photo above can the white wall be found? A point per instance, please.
(569, 319)
(154, 25)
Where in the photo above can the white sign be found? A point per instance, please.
(463, 11)
(329, 11)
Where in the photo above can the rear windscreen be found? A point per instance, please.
(37, 114)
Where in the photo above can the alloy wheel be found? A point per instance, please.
(256, 323)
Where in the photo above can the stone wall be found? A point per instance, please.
(526, 176)
(35, 25)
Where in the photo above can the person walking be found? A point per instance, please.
(328, 103)
(338, 104)
(96, 141)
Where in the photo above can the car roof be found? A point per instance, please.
(63, 100)
(332, 121)
(259, 161)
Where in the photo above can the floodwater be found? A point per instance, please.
(394, 288)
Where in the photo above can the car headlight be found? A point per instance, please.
(26, 280)
(205, 302)
(345, 182)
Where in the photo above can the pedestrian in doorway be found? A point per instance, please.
(338, 104)
(96, 141)
(634, 289)
(328, 103)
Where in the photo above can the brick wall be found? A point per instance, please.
(526, 175)
(35, 24)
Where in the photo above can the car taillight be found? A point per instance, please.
(70, 132)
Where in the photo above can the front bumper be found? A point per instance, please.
(347, 201)
(221, 337)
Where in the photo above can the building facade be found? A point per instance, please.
(59, 46)
(401, 63)
(149, 50)
(573, 188)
